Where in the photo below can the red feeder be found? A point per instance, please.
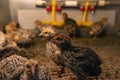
(91, 8)
(82, 8)
(49, 8)
(58, 9)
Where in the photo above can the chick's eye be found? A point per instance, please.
(59, 39)
(28, 66)
(47, 33)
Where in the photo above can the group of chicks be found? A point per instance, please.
(82, 61)
(71, 28)
(20, 36)
(15, 64)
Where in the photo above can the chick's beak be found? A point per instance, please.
(33, 70)
(40, 35)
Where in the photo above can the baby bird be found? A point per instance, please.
(10, 27)
(34, 71)
(9, 50)
(22, 37)
(82, 61)
(70, 26)
(4, 42)
(97, 29)
(10, 65)
(16, 67)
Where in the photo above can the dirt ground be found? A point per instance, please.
(108, 48)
